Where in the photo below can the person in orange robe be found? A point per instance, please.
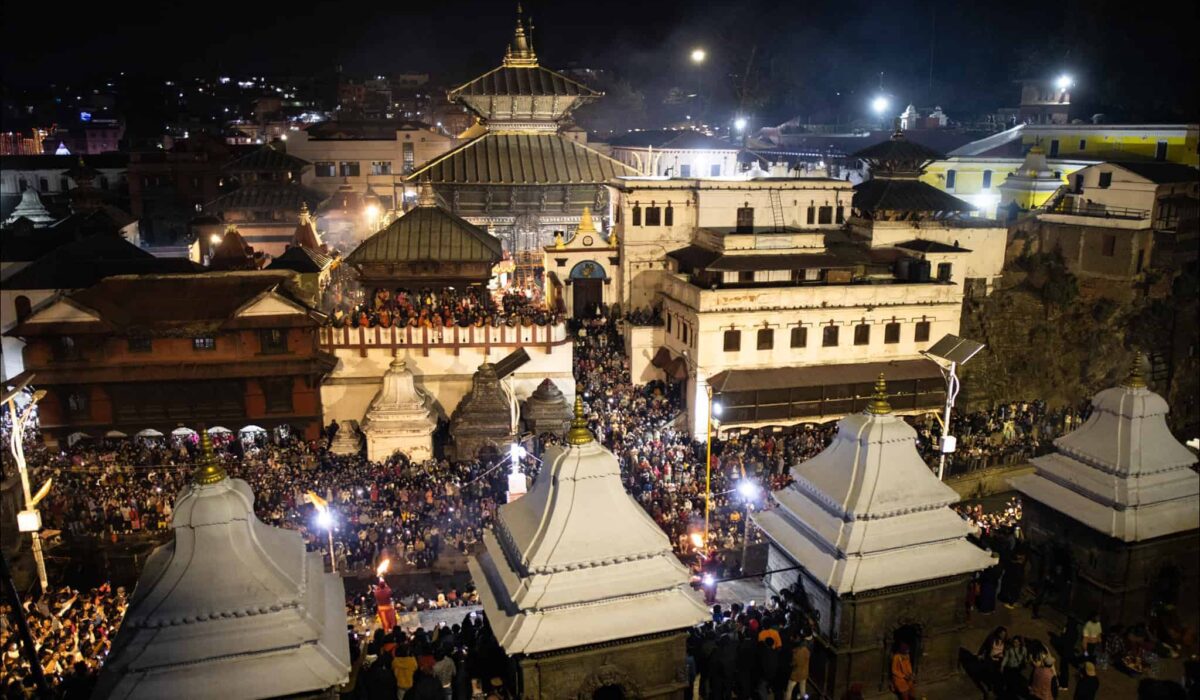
(383, 604)
(903, 683)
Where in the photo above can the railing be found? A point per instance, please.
(1072, 206)
(455, 338)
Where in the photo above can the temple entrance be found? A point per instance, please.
(905, 637)
(609, 692)
(586, 296)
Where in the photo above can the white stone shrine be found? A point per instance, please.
(230, 608)
(400, 418)
(576, 563)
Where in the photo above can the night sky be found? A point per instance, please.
(1137, 61)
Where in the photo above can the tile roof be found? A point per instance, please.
(266, 159)
(282, 196)
(533, 81)
(428, 233)
(522, 159)
(882, 194)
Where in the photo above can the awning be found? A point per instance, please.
(677, 370)
(822, 375)
(661, 358)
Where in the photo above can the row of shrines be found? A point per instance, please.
(584, 610)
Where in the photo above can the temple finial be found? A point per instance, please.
(1136, 378)
(586, 225)
(209, 469)
(879, 405)
(520, 52)
(579, 433)
(425, 195)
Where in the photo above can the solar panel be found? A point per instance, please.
(952, 348)
(511, 363)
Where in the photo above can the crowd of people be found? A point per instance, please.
(1007, 434)
(441, 308)
(72, 631)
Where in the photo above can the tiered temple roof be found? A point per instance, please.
(576, 561)
(1121, 473)
(867, 513)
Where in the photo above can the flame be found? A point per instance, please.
(383, 567)
(697, 540)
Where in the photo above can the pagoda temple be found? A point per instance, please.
(428, 246)
(1117, 501)
(581, 587)
(867, 531)
(230, 608)
(521, 175)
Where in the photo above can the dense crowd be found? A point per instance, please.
(1007, 434)
(441, 308)
(72, 631)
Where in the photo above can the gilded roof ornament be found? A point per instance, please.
(1136, 378)
(425, 195)
(879, 405)
(579, 433)
(586, 225)
(519, 53)
(209, 469)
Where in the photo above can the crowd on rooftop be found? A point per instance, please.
(436, 308)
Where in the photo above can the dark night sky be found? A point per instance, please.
(1140, 60)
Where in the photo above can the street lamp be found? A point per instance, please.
(714, 412)
(749, 492)
(325, 521)
(879, 105)
(1064, 81)
(739, 124)
(698, 56)
(28, 520)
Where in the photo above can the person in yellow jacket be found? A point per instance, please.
(404, 666)
(798, 679)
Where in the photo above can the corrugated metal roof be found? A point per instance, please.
(685, 139)
(534, 81)
(898, 149)
(300, 259)
(883, 194)
(266, 159)
(821, 375)
(428, 233)
(265, 195)
(522, 159)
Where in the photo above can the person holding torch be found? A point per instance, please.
(383, 598)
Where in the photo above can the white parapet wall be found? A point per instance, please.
(442, 361)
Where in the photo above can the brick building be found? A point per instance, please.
(131, 353)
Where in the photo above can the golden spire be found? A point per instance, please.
(425, 195)
(209, 469)
(586, 225)
(520, 52)
(879, 405)
(303, 212)
(1136, 379)
(579, 433)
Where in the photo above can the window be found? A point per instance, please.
(410, 157)
(348, 168)
(66, 349)
(21, 184)
(140, 343)
(987, 179)
(799, 337)
(733, 341)
(77, 403)
(1160, 151)
(766, 338)
(654, 216)
(1105, 180)
(637, 215)
(204, 343)
(745, 220)
(862, 334)
(951, 176)
(1110, 245)
(812, 215)
(24, 307)
(381, 167)
(825, 215)
(1053, 148)
(829, 337)
(669, 216)
(1078, 189)
(943, 272)
(324, 169)
(1083, 144)
(891, 333)
(669, 317)
(273, 340)
(278, 394)
(922, 334)
(841, 214)
(44, 184)
(103, 182)
(684, 327)
(715, 170)
(746, 276)
(63, 185)
(685, 170)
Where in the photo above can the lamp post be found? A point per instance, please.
(714, 410)
(749, 491)
(325, 520)
(28, 520)
(698, 57)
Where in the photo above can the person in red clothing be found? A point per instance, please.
(384, 606)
